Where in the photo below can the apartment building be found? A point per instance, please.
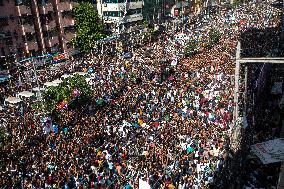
(33, 27)
(122, 13)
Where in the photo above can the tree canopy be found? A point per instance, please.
(54, 96)
(89, 27)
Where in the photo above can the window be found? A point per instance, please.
(4, 21)
(20, 50)
(69, 45)
(23, 2)
(30, 36)
(24, 38)
(3, 51)
(113, 1)
(111, 13)
(45, 34)
(15, 34)
(134, 11)
(9, 41)
(26, 19)
(67, 13)
(69, 29)
(1, 3)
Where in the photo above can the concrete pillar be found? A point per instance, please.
(39, 33)
(59, 26)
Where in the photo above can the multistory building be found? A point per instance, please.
(120, 14)
(34, 27)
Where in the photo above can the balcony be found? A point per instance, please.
(4, 21)
(26, 20)
(122, 6)
(50, 42)
(48, 25)
(32, 45)
(135, 5)
(24, 10)
(68, 14)
(67, 22)
(45, 8)
(28, 28)
(66, 5)
(126, 19)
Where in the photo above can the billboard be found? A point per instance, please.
(270, 151)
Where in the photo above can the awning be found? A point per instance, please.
(57, 81)
(66, 76)
(49, 84)
(13, 100)
(26, 94)
(38, 89)
(80, 73)
(88, 79)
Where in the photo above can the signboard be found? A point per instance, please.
(270, 151)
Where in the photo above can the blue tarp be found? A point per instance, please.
(4, 78)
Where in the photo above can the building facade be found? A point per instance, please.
(120, 14)
(33, 27)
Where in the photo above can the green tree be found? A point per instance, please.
(214, 37)
(64, 92)
(88, 27)
(191, 49)
(2, 136)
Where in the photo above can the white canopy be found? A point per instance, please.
(13, 100)
(66, 76)
(38, 89)
(26, 94)
(49, 84)
(57, 81)
(79, 73)
(88, 79)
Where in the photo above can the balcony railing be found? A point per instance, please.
(4, 21)
(25, 10)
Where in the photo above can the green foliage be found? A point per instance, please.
(191, 49)
(237, 3)
(37, 106)
(88, 27)
(233, 5)
(145, 23)
(2, 136)
(64, 92)
(214, 37)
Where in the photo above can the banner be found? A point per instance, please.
(176, 12)
(143, 184)
(270, 151)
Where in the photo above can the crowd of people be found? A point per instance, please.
(169, 125)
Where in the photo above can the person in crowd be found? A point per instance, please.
(169, 125)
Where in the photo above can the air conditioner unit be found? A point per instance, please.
(105, 4)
